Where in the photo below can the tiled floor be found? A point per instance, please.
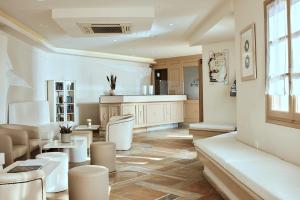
(161, 165)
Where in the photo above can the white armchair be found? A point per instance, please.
(35, 113)
(23, 185)
(119, 131)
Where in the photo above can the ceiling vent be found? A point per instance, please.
(87, 28)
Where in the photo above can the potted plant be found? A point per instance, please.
(112, 82)
(65, 132)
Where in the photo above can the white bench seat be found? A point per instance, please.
(266, 175)
(213, 127)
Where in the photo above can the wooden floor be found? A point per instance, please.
(161, 165)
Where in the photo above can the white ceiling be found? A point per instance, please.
(226, 26)
(173, 18)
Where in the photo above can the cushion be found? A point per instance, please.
(213, 127)
(267, 175)
(19, 150)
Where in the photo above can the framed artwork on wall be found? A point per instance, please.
(248, 53)
(218, 67)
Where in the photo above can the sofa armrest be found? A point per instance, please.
(32, 131)
(6, 146)
(18, 137)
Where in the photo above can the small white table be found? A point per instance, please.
(76, 149)
(2, 160)
(58, 180)
(87, 128)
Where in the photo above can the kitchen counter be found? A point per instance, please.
(148, 111)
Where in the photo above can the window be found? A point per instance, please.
(283, 61)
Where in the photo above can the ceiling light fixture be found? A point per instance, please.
(115, 40)
(171, 24)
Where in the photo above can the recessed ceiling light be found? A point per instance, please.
(40, 0)
(171, 24)
(115, 40)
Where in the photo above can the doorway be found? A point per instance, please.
(161, 81)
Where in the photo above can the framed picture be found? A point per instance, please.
(218, 67)
(248, 53)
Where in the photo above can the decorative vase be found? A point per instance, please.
(112, 92)
(66, 138)
(151, 90)
(89, 122)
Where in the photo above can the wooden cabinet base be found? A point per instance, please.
(149, 114)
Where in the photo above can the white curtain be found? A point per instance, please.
(277, 65)
(295, 29)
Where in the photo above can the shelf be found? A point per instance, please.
(61, 97)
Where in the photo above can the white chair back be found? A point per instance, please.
(119, 130)
(35, 113)
(29, 113)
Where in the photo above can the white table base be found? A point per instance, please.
(57, 181)
(76, 150)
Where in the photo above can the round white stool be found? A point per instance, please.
(57, 181)
(78, 154)
(88, 182)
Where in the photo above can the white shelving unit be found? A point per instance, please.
(61, 98)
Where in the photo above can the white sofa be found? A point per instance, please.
(34, 113)
(119, 131)
(243, 172)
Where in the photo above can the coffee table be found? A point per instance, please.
(87, 128)
(76, 149)
(47, 167)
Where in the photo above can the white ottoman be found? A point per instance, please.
(57, 181)
(79, 154)
(104, 154)
(88, 183)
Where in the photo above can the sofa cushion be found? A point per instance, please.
(19, 150)
(265, 174)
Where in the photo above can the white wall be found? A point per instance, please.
(253, 129)
(36, 66)
(218, 106)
